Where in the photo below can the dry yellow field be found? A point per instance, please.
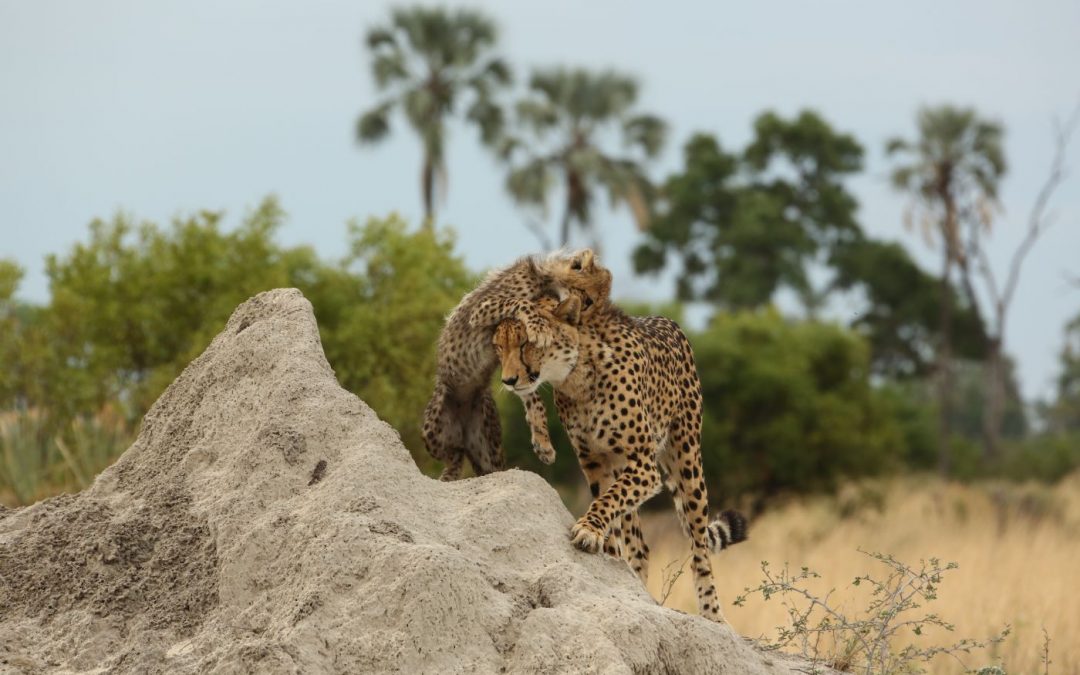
(1018, 550)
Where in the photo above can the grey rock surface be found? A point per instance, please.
(267, 521)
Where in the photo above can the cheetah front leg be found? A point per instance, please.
(536, 417)
(639, 480)
(599, 476)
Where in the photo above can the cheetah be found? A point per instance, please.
(460, 419)
(628, 394)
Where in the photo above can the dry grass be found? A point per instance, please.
(1018, 548)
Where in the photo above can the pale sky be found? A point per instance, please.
(162, 108)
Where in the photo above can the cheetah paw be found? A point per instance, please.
(586, 536)
(537, 333)
(544, 452)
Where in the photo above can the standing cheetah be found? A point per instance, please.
(461, 419)
(628, 393)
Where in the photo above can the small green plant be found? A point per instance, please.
(869, 641)
(38, 460)
(671, 575)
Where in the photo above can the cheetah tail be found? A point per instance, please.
(727, 530)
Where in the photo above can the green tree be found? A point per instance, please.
(746, 225)
(135, 303)
(10, 276)
(951, 171)
(789, 406)
(425, 60)
(899, 308)
(380, 330)
(565, 126)
(1064, 413)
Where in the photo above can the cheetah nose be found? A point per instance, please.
(510, 381)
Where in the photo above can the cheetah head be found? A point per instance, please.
(579, 270)
(524, 365)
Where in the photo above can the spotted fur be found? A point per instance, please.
(461, 420)
(631, 405)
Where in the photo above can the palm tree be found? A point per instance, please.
(952, 172)
(570, 114)
(424, 60)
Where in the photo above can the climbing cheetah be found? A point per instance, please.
(461, 419)
(627, 391)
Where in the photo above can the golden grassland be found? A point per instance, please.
(1018, 550)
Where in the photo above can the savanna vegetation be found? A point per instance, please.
(799, 405)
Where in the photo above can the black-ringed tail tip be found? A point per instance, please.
(727, 530)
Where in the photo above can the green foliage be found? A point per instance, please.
(906, 401)
(789, 406)
(561, 127)
(135, 303)
(901, 309)
(38, 459)
(1043, 457)
(745, 226)
(1064, 413)
(955, 152)
(384, 314)
(10, 275)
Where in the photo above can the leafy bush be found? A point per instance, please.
(789, 406)
(135, 303)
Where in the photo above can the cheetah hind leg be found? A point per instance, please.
(483, 436)
(442, 433)
(692, 505)
(536, 416)
(452, 469)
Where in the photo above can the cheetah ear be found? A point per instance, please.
(569, 310)
(588, 259)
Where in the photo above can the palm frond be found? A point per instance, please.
(373, 125)
(381, 37)
(647, 132)
(489, 117)
(529, 183)
(389, 67)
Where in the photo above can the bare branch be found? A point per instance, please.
(1037, 221)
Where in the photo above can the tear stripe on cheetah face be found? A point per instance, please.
(632, 409)
(460, 420)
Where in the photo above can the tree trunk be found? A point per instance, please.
(944, 370)
(995, 395)
(564, 236)
(427, 185)
(576, 202)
